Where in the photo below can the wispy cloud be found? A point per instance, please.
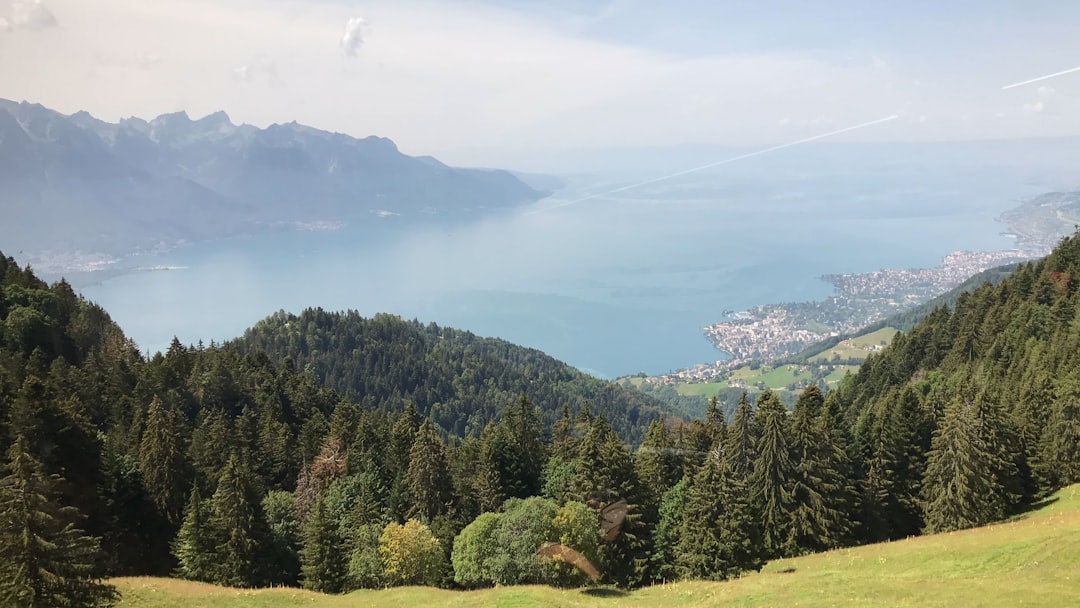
(28, 15)
(264, 72)
(354, 36)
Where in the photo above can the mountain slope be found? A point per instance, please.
(461, 379)
(143, 183)
(1029, 561)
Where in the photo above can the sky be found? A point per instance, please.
(492, 83)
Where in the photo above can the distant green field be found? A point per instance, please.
(1031, 561)
(858, 347)
(774, 378)
(701, 389)
(837, 375)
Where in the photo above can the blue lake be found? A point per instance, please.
(613, 285)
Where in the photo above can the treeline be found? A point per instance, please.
(242, 469)
(457, 378)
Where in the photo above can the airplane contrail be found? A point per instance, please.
(1054, 75)
(718, 163)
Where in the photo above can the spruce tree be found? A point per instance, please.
(162, 462)
(323, 557)
(720, 536)
(240, 526)
(195, 547)
(770, 483)
(603, 476)
(668, 532)
(521, 478)
(427, 481)
(960, 490)
(656, 463)
(740, 444)
(818, 487)
(1061, 443)
(45, 560)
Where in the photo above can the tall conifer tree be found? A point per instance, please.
(770, 483)
(45, 560)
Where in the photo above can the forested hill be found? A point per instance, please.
(984, 398)
(462, 380)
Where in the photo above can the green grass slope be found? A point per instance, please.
(1033, 560)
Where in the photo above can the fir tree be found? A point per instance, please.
(195, 547)
(45, 560)
(959, 489)
(895, 469)
(323, 565)
(739, 451)
(719, 537)
(669, 531)
(240, 526)
(770, 483)
(818, 486)
(1061, 443)
(657, 465)
(603, 476)
(162, 462)
(427, 481)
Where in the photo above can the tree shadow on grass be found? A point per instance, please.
(1046, 502)
(604, 592)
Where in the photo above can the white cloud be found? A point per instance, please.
(354, 36)
(264, 72)
(1044, 93)
(4, 25)
(30, 15)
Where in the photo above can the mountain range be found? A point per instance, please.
(75, 183)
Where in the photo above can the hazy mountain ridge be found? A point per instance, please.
(138, 183)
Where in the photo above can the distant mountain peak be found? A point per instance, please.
(217, 119)
(173, 179)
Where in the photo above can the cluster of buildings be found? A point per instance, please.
(771, 332)
(763, 337)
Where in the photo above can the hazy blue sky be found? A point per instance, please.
(485, 81)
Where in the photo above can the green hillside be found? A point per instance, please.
(1030, 561)
(463, 381)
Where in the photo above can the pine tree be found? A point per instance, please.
(195, 547)
(323, 557)
(770, 483)
(427, 480)
(959, 489)
(45, 560)
(240, 525)
(162, 462)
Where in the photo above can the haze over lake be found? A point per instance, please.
(615, 284)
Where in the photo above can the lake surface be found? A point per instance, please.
(613, 285)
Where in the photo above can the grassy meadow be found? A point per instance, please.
(1033, 560)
